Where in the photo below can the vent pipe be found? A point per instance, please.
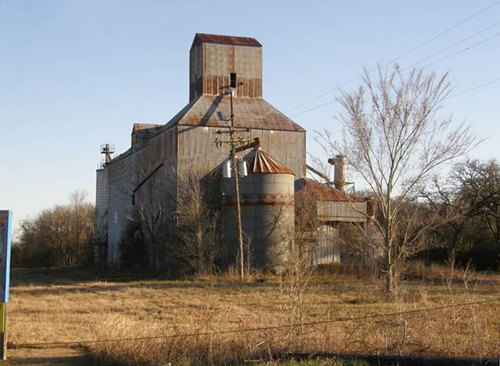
(340, 166)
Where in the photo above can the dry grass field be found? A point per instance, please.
(219, 320)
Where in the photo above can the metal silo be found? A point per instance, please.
(267, 212)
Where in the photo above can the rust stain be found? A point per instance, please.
(223, 39)
(214, 111)
(259, 161)
(322, 192)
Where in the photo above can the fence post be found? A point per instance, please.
(3, 330)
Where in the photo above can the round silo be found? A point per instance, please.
(267, 212)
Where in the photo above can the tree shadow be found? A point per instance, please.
(73, 276)
(48, 356)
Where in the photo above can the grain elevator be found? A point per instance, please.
(146, 175)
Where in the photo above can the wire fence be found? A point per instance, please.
(57, 344)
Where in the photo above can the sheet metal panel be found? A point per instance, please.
(122, 180)
(101, 204)
(259, 161)
(224, 39)
(212, 62)
(327, 249)
(341, 211)
(197, 148)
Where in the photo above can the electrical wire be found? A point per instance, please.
(397, 57)
(444, 32)
(429, 64)
(456, 44)
(465, 49)
(475, 88)
(253, 329)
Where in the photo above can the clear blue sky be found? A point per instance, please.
(75, 74)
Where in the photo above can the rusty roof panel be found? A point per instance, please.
(145, 128)
(223, 39)
(323, 192)
(259, 161)
(214, 111)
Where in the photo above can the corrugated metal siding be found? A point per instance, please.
(157, 192)
(101, 204)
(341, 211)
(327, 249)
(211, 64)
(220, 60)
(122, 180)
(197, 148)
(289, 148)
(195, 72)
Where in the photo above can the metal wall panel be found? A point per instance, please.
(101, 204)
(341, 211)
(122, 180)
(197, 148)
(211, 64)
(327, 249)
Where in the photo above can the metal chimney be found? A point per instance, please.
(340, 166)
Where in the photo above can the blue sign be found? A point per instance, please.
(5, 243)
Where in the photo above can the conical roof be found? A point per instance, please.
(259, 161)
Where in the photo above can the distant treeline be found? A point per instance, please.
(56, 237)
(467, 229)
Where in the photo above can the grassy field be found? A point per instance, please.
(120, 320)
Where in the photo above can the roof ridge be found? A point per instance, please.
(225, 39)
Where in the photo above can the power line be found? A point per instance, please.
(444, 32)
(474, 88)
(457, 43)
(313, 108)
(465, 49)
(255, 329)
(419, 62)
(401, 55)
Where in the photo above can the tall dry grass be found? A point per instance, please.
(159, 315)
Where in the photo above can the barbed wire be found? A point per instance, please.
(251, 329)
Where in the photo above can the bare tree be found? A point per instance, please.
(197, 224)
(442, 195)
(58, 236)
(478, 187)
(468, 201)
(150, 211)
(306, 229)
(394, 138)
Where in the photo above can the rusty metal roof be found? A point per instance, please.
(145, 128)
(323, 192)
(214, 111)
(260, 162)
(223, 39)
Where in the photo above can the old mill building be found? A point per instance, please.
(146, 175)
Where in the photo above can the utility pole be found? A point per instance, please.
(233, 141)
(236, 181)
